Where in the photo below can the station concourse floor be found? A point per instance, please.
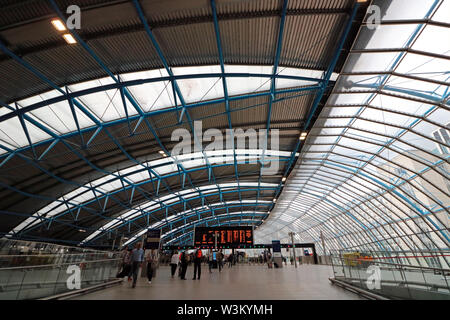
(241, 282)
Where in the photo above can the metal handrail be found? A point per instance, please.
(23, 242)
(50, 255)
(423, 284)
(396, 264)
(58, 264)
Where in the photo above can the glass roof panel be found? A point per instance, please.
(384, 36)
(151, 95)
(387, 148)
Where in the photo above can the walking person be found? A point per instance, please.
(137, 256)
(151, 258)
(174, 263)
(125, 265)
(220, 260)
(210, 261)
(184, 265)
(269, 260)
(197, 263)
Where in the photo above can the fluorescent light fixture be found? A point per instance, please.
(59, 25)
(162, 153)
(303, 136)
(69, 38)
(81, 230)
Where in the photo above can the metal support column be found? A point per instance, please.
(291, 234)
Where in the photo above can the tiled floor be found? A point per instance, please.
(239, 283)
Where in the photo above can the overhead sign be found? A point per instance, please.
(226, 236)
(276, 246)
(153, 238)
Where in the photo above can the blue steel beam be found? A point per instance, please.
(75, 118)
(106, 196)
(69, 147)
(356, 169)
(54, 176)
(174, 83)
(61, 180)
(178, 202)
(138, 82)
(272, 88)
(169, 224)
(383, 79)
(206, 221)
(123, 90)
(127, 119)
(25, 130)
(381, 84)
(323, 85)
(390, 188)
(211, 208)
(236, 217)
(97, 130)
(225, 89)
(43, 239)
(126, 93)
(79, 105)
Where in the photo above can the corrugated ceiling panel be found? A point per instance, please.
(249, 41)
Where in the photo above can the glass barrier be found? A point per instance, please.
(398, 275)
(30, 270)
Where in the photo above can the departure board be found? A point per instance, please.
(228, 236)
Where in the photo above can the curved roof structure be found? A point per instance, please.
(373, 173)
(351, 118)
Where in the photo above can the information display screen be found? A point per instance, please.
(228, 236)
(153, 238)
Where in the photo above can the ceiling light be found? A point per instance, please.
(162, 153)
(284, 179)
(303, 136)
(69, 38)
(274, 200)
(59, 25)
(81, 230)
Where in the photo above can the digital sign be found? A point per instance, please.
(228, 236)
(153, 238)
